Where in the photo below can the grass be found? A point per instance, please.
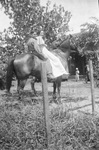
(22, 128)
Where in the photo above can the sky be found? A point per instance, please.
(4, 20)
(81, 11)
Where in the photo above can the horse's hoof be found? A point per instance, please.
(58, 100)
(34, 101)
(20, 98)
(55, 101)
(54, 96)
(8, 93)
(35, 94)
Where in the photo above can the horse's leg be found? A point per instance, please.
(9, 75)
(58, 86)
(18, 85)
(54, 90)
(21, 85)
(33, 86)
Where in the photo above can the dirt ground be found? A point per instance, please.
(75, 96)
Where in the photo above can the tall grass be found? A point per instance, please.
(22, 128)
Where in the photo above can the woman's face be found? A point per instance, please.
(41, 33)
(34, 34)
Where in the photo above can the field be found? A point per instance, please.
(72, 127)
(75, 96)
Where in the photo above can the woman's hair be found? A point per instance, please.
(38, 32)
(34, 33)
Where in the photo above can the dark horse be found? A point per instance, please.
(2, 79)
(28, 64)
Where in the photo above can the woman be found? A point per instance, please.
(33, 47)
(57, 67)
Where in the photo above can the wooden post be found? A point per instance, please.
(45, 100)
(92, 86)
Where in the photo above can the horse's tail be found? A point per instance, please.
(9, 74)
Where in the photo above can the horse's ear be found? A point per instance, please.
(70, 36)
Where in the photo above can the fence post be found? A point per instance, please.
(92, 86)
(45, 100)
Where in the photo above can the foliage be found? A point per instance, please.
(88, 42)
(88, 39)
(55, 21)
(29, 17)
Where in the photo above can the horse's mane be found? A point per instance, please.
(57, 52)
(63, 45)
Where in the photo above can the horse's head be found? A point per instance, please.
(68, 44)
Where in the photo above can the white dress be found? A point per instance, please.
(57, 67)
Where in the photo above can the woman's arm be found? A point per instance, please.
(41, 42)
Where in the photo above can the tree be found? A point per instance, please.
(55, 21)
(88, 40)
(25, 14)
(28, 16)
